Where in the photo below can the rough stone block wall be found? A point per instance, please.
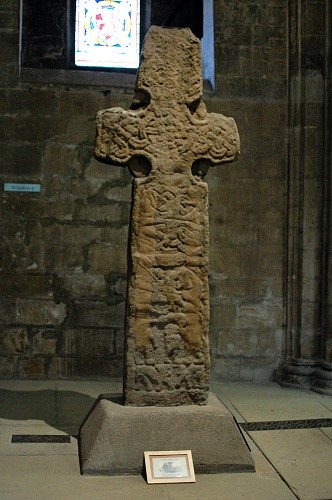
(248, 198)
(63, 252)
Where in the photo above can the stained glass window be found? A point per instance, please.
(107, 33)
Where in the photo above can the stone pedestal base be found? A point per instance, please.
(308, 374)
(322, 381)
(298, 373)
(114, 437)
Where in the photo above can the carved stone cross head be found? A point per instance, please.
(168, 140)
(168, 123)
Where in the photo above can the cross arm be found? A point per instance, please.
(222, 139)
(119, 136)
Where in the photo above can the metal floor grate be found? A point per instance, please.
(286, 424)
(40, 438)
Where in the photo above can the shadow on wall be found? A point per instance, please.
(64, 410)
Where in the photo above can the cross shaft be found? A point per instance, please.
(167, 317)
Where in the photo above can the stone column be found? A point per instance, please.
(322, 380)
(308, 180)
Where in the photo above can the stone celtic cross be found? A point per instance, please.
(167, 139)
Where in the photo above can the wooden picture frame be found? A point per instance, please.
(169, 467)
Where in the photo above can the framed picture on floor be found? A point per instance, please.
(169, 467)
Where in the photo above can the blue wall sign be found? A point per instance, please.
(24, 188)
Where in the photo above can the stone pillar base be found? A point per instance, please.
(114, 437)
(322, 380)
(298, 373)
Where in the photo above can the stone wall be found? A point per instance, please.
(247, 198)
(63, 251)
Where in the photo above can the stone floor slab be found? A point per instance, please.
(54, 478)
(27, 407)
(326, 401)
(273, 402)
(232, 487)
(90, 388)
(302, 457)
(327, 431)
(262, 465)
(27, 385)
